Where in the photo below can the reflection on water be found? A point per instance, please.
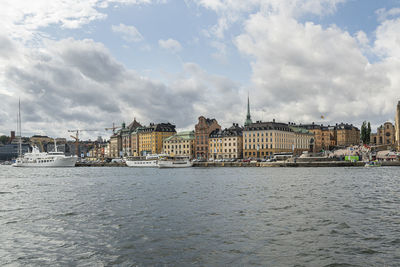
(200, 216)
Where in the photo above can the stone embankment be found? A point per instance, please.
(290, 164)
(254, 164)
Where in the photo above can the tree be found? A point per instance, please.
(4, 139)
(369, 132)
(363, 131)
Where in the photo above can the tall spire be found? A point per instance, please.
(248, 116)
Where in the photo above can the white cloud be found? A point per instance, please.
(129, 33)
(301, 71)
(384, 14)
(77, 83)
(170, 44)
(25, 19)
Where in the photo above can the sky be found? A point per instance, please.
(86, 64)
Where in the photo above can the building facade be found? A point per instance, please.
(126, 136)
(397, 126)
(347, 135)
(227, 143)
(180, 144)
(151, 138)
(115, 148)
(303, 140)
(329, 137)
(264, 139)
(202, 132)
(385, 135)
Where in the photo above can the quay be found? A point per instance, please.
(254, 164)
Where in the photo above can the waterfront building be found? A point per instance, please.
(202, 132)
(324, 136)
(10, 151)
(303, 140)
(263, 139)
(151, 138)
(347, 135)
(115, 148)
(385, 135)
(397, 126)
(329, 137)
(126, 137)
(227, 143)
(180, 144)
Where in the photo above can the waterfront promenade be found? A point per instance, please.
(257, 164)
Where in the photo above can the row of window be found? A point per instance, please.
(176, 146)
(216, 150)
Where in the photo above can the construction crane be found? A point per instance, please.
(76, 137)
(113, 128)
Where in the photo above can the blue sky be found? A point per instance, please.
(176, 60)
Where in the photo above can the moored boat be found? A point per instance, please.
(45, 159)
(149, 161)
(175, 162)
(373, 164)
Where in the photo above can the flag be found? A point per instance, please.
(322, 117)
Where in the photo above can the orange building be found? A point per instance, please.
(202, 131)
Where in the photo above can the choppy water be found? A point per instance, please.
(200, 217)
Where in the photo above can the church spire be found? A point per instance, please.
(248, 117)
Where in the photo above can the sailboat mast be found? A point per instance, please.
(20, 131)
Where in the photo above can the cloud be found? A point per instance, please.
(235, 11)
(129, 33)
(172, 45)
(25, 20)
(302, 70)
(71, 84)
(384, 14)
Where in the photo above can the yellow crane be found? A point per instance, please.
(76, 137)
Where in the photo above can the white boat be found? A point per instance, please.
(41, 159)
(175, 162)
(45, 159)
(150, 161)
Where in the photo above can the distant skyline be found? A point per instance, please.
(86, 64)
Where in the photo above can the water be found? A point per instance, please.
(200, 217)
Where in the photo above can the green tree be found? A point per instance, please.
(363, 133)
(4, 139)
(368, 132)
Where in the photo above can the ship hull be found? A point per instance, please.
(43, 163)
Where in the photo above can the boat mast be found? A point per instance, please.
(55, 145)
(19, 128)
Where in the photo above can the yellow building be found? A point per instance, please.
(264, 139)
(115, 148)
(180, 144)
(151, 138)
(227, 143)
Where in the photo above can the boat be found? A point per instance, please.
(41, 159)
(45, 159)
(175, 162)
(149, 161)
(373, 164)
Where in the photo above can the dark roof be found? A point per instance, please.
(160, 127)
(134, 124)
(268, 126)
(234, 130)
